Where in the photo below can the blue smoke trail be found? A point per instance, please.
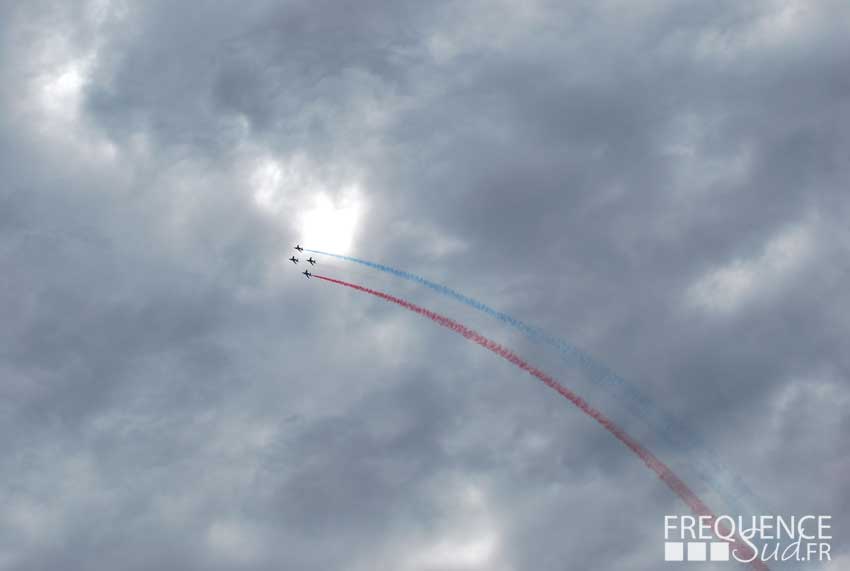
(672, 430)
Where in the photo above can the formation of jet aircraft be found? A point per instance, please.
(312, 262)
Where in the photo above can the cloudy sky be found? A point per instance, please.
(663, 184)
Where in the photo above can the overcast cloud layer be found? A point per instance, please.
(662, 183)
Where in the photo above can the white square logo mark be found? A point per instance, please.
(696, 551)
(673, 551)
(719, 551)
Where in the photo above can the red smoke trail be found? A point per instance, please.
(662, 470)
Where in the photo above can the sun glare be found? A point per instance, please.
(331, 224)
(326, 219)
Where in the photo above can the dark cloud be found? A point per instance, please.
(659, 183)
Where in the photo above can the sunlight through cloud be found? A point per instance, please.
(332, 222)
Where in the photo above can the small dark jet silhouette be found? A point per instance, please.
(311, 260)
(306, 273)
(298, 247)
(293, 259)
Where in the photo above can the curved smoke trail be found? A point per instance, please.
(671, 430)
(676, 484)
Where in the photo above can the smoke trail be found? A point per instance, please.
(670, 429)
(596, 371)
(679, 487)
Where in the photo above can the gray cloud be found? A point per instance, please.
(660, 183)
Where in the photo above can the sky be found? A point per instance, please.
(661, 184)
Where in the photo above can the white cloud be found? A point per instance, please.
(778, 24)
(233, 541)
(726, 288)
(471, 544)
